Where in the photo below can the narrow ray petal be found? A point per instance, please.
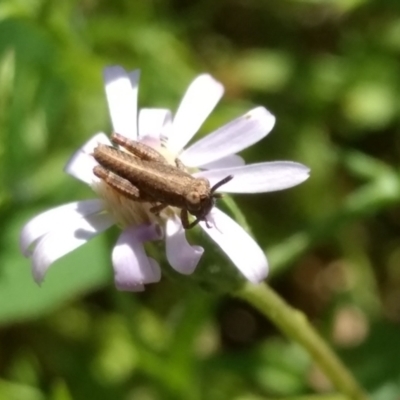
(65, 239)
(81, 164)
(180, 254)
(132, 268)
(154, 123)
(238, 245)
(230, 139)
(54, 219)
(199, 100)
(227, 162)
(122, 100)
(259, 178)
(134, 77)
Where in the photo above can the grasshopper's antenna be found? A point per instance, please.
(221, 182)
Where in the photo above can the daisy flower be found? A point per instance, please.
(58, 231)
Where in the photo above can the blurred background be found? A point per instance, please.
(330, 72)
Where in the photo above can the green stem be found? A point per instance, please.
(296, 326)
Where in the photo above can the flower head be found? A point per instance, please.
(54, 233)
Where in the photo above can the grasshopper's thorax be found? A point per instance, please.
(128, 212)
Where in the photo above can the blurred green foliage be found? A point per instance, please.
(330, 71)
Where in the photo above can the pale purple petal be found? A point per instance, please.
(121, 93)
(238, 245)
(227, 162)
(199, 100)
(55, 219)
(154, 123)
(81, 164)
(230, 139)
(64, 239)
(132, 268)
(134, 77)
(180, 254)
(258, 178)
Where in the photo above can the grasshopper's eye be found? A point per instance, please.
(193, 198)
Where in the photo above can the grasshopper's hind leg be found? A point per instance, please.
(138, 149)
(121, 185)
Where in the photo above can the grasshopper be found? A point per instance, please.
(142, 174)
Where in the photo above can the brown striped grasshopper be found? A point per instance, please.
(142, 174)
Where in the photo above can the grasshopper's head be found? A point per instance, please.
(201, 197)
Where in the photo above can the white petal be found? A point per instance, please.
(230, 139)
(54, 219)
(199, 100)
(180, 254)
(81, 164)
(238, 245)
(65, 239)
(122, 100)
(259, 178)
(227, 162)
(154, 123)
(132, 268)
